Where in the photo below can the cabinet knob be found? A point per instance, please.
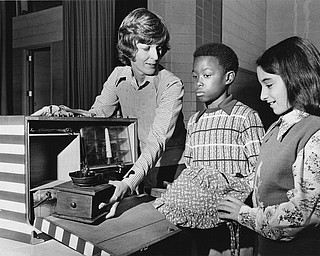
(73, 205)
(170, 229)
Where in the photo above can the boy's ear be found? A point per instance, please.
(230, 76)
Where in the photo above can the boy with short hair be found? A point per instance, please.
(222, 147)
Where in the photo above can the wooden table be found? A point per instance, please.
(136, 225)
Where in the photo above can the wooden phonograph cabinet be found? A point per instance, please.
(42, 163)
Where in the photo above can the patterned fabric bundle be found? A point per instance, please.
(192, 200)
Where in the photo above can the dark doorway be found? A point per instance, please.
(39, 78)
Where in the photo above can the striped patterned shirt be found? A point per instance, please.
(226, 138)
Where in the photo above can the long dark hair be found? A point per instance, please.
(297, 61)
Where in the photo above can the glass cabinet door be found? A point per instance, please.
(107, 145)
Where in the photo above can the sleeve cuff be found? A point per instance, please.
(244, 211)
(130, 184)
(132, 178)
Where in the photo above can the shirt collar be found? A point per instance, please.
(127, 75)
(286, 121)
(226, 105)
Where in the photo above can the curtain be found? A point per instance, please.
(7, 9)
(89, 41)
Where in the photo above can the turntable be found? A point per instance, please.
(79, 198)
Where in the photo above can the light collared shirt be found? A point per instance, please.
(157, 104)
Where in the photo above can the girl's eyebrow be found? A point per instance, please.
(266, 79)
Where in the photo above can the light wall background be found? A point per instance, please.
(292, 17)
(248, 26)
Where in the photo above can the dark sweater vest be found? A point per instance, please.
(278, 157)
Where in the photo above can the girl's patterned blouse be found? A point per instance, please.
(283, 221)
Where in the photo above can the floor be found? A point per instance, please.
(48, 248)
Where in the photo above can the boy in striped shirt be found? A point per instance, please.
(222, 147)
